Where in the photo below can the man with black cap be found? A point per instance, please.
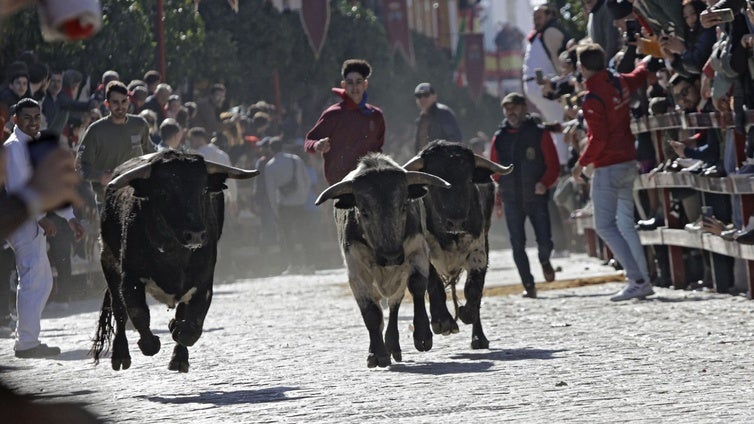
(436, 120)
(522, 142)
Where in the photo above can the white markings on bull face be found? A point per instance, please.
(161, 296)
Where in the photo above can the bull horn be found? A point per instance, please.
(140, 172)
(335, 190)
(496, 168)
(235, 173)
(413, 177)
(416, 163)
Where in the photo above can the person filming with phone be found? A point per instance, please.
(29, 241)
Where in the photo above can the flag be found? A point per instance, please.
(315, 18)
(396, 24)
(475, 57)
(458, 59)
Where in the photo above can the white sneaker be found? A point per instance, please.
(634, 290)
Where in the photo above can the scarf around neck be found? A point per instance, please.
(348, 102)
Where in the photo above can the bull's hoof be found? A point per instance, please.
(150, 345)
(381, 361)
(180, 359)
(119, 364)
(178, 365)
(444, 327)
(423, 344)
(185, 333)
(480, 343)
(468, 315)
(397, 356)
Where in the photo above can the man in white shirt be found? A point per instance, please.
(288, 184)
(29, 241)
(199, 142)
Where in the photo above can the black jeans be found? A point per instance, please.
(539, 217)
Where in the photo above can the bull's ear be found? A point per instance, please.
(342, 192)
(481, 176)
(417, 191)
(216, 182)
(346, 201)
(142, 187)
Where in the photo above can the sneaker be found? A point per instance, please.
(40, 351)
(634, 290)
(548, 271)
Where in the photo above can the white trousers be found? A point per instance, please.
(551, 111)
(34, 281)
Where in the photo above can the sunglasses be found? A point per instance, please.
(422, 95)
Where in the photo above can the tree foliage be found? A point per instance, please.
(245, 51)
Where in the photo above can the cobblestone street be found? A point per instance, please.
(293, 349)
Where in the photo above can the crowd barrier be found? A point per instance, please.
(673, 235)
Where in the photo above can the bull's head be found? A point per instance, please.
(458, 165)
(178, 188)
(381, 200)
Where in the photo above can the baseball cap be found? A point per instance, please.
(424, 89)
(515, 98)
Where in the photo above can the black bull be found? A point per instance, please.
(458, 223)
(381, 236)
(161, 221)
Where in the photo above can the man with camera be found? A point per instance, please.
(29, 241)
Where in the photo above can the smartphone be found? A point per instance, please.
(725, 15)
(40, 147)
(632, 28)
(540, 76)
(707, 211)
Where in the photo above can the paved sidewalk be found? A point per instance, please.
(293, 349)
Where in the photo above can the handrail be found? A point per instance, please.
(687, 121)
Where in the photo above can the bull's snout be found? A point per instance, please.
(390, 258)
(194, 239)
(455, 224)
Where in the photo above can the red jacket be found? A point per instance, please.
(608, 118)
(353, 133)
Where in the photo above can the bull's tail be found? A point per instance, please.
(104, 332)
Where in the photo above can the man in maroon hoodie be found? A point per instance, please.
(611, 151)
(348, 130)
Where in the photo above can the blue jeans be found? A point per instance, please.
(612, 197)
(515, 217)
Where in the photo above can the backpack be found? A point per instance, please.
(292, 184)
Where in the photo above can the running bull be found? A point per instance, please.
(381, 236)
(161, 221)
(458, 222)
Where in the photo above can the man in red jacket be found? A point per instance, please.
(611, 151)
(348, 130)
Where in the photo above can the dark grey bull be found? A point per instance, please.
(381, 236)
(162, 218)
(458, 222)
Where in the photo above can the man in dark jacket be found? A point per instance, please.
(436, 120)
(522, 142)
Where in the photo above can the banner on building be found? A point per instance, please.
(396, 24)
(474, 56)
(315, 18)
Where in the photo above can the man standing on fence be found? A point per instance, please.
(611, 151)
